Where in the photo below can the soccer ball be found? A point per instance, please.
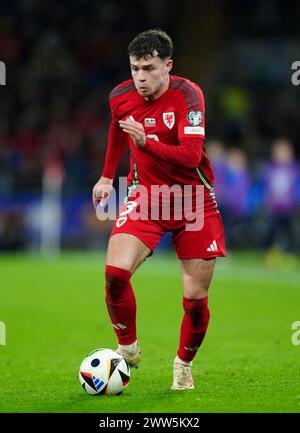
(104, 372)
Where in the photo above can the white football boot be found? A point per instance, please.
(182, 375)
(131, 354)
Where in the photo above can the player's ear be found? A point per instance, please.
(169, 64)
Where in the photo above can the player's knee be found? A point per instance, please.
(197, 310)
(195, 291)
(117, 280)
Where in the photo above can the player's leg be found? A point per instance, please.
(197, 275)
(125, 253)
(196, 251)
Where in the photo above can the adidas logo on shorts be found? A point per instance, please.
(213, 246)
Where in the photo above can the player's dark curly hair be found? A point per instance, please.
(145, 43)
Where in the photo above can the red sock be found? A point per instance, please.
(121, 305)
(193, 327)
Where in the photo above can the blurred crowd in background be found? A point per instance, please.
(63, 58)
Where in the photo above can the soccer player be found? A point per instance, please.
(161, 117)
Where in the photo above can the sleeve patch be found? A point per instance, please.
(194, 117)
(198, 130)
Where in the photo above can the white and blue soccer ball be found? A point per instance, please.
(104, 372)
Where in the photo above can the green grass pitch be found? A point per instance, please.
(55, 314)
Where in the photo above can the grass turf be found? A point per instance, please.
(55, 314)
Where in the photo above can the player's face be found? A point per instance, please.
(150, 75)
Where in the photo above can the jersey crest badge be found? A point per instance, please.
(169, 119)
(194, 117)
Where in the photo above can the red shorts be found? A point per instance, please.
(207, 242)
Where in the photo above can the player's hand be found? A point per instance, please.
(135, 130)
(101, 191)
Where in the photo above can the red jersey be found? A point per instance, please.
(174, 124)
